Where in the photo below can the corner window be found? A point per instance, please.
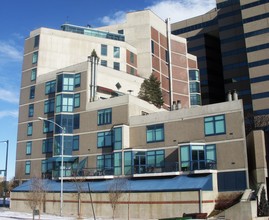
(50, 87)
(104, 116)
(155, 133)
(77, 80)
(117, 138)
(116, 66)
(35, 57)
(47, 146)
(48, 126)
(31, 110)
(65, 83)
(27, 167)
(104, 139)
(28, 147)
(49, 106)
(30, 129)
(66, 121)
(32, 92)
(116, 52)
(103, 50)
(64, 103)
(214, 125)
(33, 74)
(76, 143)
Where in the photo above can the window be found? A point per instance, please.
(152, 46)
(68, 145)
(104, 161)
(35, 57)
(31, 110)
(116, 52)
(27, 167)
(116, 66)
(47, 146)
(66, 121)
(117, 138)
(155, 158)
(103, 50)
(194, 87)
(104, 116)
(121, 31)
(32, 92)
(76, 121)
(65, 83)
(49, 106)
(104, 139)
(132, 72)
(77, 100)
(50, 87)
(77, 80)
(30, 129)
(76, 143)
(117, 163)
(28, 147)
(195, 99)
(194, 75)
(103, 63)
(44, 166)
(131, 57)
(36, 41)
(215, 125)
(64, 103)
(33, 74)
(48, 126)
(155, 133)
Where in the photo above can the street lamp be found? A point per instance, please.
(5, 184)
(62, 159)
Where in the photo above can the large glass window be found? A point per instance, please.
(103, 50)
(64, 103)
(49, 106)
(104, 116)
(128, 162)
(32, 92)
(35, 57)
(66, 121)
(116, 66)
(50, 87)
(195, 99)
(104, 139)
(65, 83)
(155, 158)
(33, 74)
(194, 75)
(116, 52)
(28, 147)
(194, 87)
(117, 163)
(155, 133)
(215, 125)
(31, 110)
(47, 146)
(30, 129)
(117, 136)
(48, 126)
(27, 167)
(68, 145)
(104, 161)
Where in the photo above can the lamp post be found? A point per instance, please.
(62, 159)
(5, 183)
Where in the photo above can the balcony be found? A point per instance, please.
(142, 170)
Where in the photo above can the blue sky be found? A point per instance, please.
(19, 17)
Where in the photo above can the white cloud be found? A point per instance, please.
(176, 10)
(11, 113)
(10, 52)
(9, 96)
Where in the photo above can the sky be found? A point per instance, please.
(19, 17)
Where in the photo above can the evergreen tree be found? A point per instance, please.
(150, 91)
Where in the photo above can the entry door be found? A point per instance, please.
(198, 157)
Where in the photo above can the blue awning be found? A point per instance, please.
(59, 159)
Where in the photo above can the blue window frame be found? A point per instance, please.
(155, 158)
(104, 116)
(48, 126)
(104, 139)
(30, 129)
(155, 133)
(50, 87)
(75, 143)
(49, 106)
(47, 146)
(33, 74)
(35, 57)
(117, 138)
(32, 92)
(77, 80)
(65, 83)
(215, 125)
(65, 121)
(77, 100)
(104, 161)
(27, 167)
(103, 50)
(64, 103)
(31, 110)
(28, 147)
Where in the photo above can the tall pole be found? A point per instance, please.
(62, 161)
(5, 183)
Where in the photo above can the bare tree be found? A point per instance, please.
(116, 191)
(36, 195)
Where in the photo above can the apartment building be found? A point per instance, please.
(231, 45)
